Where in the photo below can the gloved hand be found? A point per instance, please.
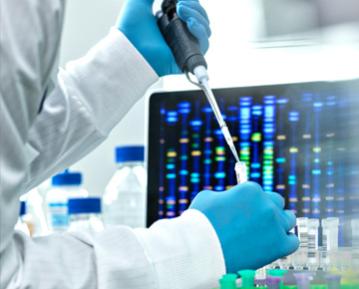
(139, 25)
(252, 226)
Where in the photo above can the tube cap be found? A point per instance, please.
(247, 278)
(67, 179)
(277, 272)
(130, 154)
(84, 206)
(228, 281)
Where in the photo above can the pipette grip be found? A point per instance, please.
(183, 44)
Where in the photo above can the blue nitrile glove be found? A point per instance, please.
(139, 25)
(252, 225)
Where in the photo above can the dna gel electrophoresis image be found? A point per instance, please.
(298, 140)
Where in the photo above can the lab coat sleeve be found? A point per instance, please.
(183, 253)
(90, 97)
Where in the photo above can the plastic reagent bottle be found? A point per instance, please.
(21, 224)
(85, 215)
(124, 199)
(64, 186)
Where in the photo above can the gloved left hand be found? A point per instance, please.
(139, 25)
(252, 226)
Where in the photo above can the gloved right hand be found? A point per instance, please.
(139, 25)
(252, 226)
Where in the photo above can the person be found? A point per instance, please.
(48, 125)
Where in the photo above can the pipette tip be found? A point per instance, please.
(241, 172)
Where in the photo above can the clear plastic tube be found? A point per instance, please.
(330, 233)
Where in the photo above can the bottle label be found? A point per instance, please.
(58, 216)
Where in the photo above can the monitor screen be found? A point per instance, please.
(300, 140)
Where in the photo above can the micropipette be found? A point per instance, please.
(202, 76)
(189, 58)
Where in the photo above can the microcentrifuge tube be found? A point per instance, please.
(313, 240)
(330, 234)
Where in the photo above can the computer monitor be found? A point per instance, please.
(300, 140)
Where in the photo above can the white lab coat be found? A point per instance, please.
(86, 101)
